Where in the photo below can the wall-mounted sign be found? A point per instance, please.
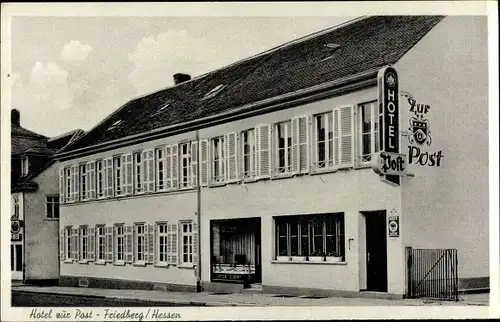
(16, 237)
(228, 277)
(388, 90)
(15, 229)
(420, 135)
(393, 225)
(388, 163)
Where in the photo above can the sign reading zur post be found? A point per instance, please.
(389, 163)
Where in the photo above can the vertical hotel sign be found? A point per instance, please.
(389, 116)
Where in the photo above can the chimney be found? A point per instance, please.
(15, 117)
(181, 78)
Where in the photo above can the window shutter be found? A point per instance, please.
(151, 170)
(303, 142)
(195, 243)
(295, 138)
(61, 186)
(109, 177)
(75, 244)
(168, 167)
(173, 244)
(150, 250)
(175, 166)
(346, 141)
(144, 168)
(169, 244)
(91, 253)
(92, 179)
(61, 245)
(230, 141)
(77, 183)
(127, 166)
(264, 146)
(109, 244)
(204, 162)
(194, 163)
(129, 245)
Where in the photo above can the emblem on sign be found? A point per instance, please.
(393, 226)
(15, 226)
(419, 131)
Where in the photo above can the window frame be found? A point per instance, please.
(157, 161)
(190, 243)
(68, 235)
(218, 155)
(118, 188)
(54, 204)
(83, 242)
(116, 244)
(25, 167)
(165, 236)
(184, 181)
(137, 177)
(137, 236)
(251, 174)
(287, 150)
(374, 132)
(100, 183)
(82, 181)
(68, 178)
(98, 243)
(331, 144)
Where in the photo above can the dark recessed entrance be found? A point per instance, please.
(235, 251)
(376, 251)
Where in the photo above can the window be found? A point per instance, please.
(24, 166)
(53, 207)
(138, 179)
(368, 131)
(100, 178)
(83, 181)
(283, 161)
(324, 134)
(185, 150)
(84, 242)
(119, 243)
(187, 242)
(67, 172)
(140, 242)
(117, 171)
(69, 242)
(101, 243)
(160, 169)
(16, 206)
(248, 152)
(310, 235)
(218, 159)
(161, 246)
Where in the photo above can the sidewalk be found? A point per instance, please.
(243, 299)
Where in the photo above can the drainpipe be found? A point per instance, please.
(198, 216)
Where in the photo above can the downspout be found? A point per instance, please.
(198, 216)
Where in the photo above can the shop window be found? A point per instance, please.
(119, 243)
(52, 207)
(187, 243)
(248, 153)
(140, 242)
(310, 235)
(101, 243)
(368, 132)
(84, 243)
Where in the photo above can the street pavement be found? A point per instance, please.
(103, 297)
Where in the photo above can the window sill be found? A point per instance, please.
(162, 265)
(322, 171)
(282, 176)
(307, 262)
(100, 262)
(68, 261)
(51, 219)
(217, 184)
(119, 263)
(362, 166)
(139, 264)
(186, 266)
(84, 261)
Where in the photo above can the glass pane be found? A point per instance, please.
(56, 211)
(282, 246)
(12, 254)
(366, 115)
(49, 210)
(19, 257)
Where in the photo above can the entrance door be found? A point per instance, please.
(376, 251)
(16, 261)
(258, 267)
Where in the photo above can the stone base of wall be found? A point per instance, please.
(474, 284)
(108, 283)
(299, 291)
(222, 287)
(42, 282)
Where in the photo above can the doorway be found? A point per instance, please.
(376, 251)
(16, 261)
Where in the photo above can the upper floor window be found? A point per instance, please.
(52, 207)
(24, 166)
(324, 141)
(100, 178)
(185, 162)
(117, 172)
(283, 139)
(138, 178)
(368, 131)
(83, 181)
(160, 169)
(218, 159)
(68, 179)
(16, 206)
(248, 153)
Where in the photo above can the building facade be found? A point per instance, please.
(259, 175)
(35, 204)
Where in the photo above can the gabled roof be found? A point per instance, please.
(327, 56)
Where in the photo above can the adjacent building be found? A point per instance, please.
(34, 254)
(259, 174)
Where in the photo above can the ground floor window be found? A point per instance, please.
(187, 242)
(101, 243)
(16, 257)
(310, 235)
(119, 243)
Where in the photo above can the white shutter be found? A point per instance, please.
(195, 243)
(61, 245)
(295, 144)
(175, 166)
(168, 167)
(92, 179)
(61, 186)
(91, 250)
(151, 245)
(263, 133)
(173, 243)
(109, 177)
(109, 244)
(127, 174)
(230, 141)
(346, 141)
(76, 239)
(336, 137)
(204, 162)
(129, 244)
(77, 185)
(303, 142)
(194, 163)
(144, 168)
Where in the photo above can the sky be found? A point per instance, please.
(72, 72)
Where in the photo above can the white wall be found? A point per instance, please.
(447, 206)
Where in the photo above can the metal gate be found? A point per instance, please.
(432, 273)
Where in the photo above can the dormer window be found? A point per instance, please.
(216, 90)
(114, 125)
(24, 166)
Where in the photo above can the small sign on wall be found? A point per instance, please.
(393, 225)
